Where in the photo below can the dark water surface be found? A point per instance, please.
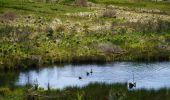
(148, 76)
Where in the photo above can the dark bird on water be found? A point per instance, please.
(80, 78)
(131, 85)
(87, 73)
(91, 71)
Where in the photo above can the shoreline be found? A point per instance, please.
(92, 91)
(47, 34)
(35, 64)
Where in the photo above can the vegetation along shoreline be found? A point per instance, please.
(45, 33)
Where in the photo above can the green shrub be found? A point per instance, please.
(9, 16)
(82, 3)
(109, 13)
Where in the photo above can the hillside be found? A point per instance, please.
(36, 33)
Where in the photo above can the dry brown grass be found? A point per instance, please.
(82, 3)
(9, 16)
(109, 13)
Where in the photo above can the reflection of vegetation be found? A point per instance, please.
(8, 79)
(91, 92)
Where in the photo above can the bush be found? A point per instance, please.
(151, 26)
(109, 13)
(146, 26)
(82, 3)
(60, 28)
(9, 16)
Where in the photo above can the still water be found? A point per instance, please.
(148, 76)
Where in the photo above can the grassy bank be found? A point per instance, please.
(149, 4)
(33, 34)
(93, 91)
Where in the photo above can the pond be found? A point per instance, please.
(146, 75)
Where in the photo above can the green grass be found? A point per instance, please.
(51, 8)
(80, 47)
(93, 91)
(44, 9)
(164, 6)
(29, 41)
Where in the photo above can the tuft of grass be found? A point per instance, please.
(109, 14)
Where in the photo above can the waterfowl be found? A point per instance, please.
(131, 85)
(91, 71)
(48, 86)
(87, 73)
(80, 78)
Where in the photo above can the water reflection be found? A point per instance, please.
(152, 75)
(8, 78)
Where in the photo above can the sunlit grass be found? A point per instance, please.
(93, 91)
(28, 39)
(137, 4)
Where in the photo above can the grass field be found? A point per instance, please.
(36, 33)
(137, 3)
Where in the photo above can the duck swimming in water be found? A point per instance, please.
(91, 71)
(132, 85)
(87, 73)
(80, 77)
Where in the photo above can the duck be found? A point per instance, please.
(91, 71)
(132, 84)
(80, 77)
(87, 73)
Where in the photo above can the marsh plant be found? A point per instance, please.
(9, 15)
(42, 33)
(151, 26)
(110, 13)
(82, 3)
(93, 91)
(155, 25)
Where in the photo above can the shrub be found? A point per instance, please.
(146, 26)
(82, 3)
(9, 16)
(151, 26)
(109, 48)
(60, 28)
(109, 13)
